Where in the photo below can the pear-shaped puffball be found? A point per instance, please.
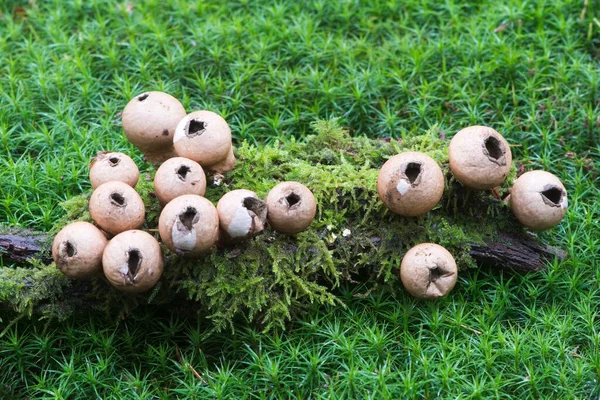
(428, 271)
(241, 214)
(116, 207)
(77, 250)
(111, 166)
(291, 207)
(178, 176)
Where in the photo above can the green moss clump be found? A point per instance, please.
(269, 278)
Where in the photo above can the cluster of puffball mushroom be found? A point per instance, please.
(189, 225)
(412, 183)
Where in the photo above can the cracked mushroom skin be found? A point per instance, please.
(178, 176)
(291, 207)
(77, 250)
(111, 166)
(116, 207)
(410, 184)
(241, 214)
(428, 271)
(480, 158)
(149, 122)
(539, 200)
(205, 137)
(132, 261)
(189, 225)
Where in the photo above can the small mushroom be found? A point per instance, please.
(133, 261)
(189, 225)
(241, 214)
(77, 250)
(410, 184)
(480, 158)
(109, 166)
(116, 207)
(178, 176)
(539, 200)
(428, 271)
(149, 122)
(291, 207)
(205, 137)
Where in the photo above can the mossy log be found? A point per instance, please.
(271, 277)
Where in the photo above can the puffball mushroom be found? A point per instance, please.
(410, 183)
(178, 176)
(149, 121)
(116, 207)
(132, 261)
(480, 158)
(539, 200)
(428, 271)
(109, 166)
(77, 250)
(189, 225)
(205, 137)
(241, 214)
(291, 207)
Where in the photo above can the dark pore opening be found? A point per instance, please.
(188, 217)
(113, 161)
(70, 249)
(183, 171)
(434, 274)
(413, 170)
(553, 194)
(292, 199)
(494, 147)
(117, 199)
(134, 259)
(143, 97)
(255, 205)
(196, 127)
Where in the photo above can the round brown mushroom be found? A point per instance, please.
(189, 225)
(77, 250)
(111, 166)
(291, 207)
(149, 122)
(480, 158)
(241, 214)
(428, 271)
(133, 261)
(205, 137)
(116, 207)
(410, 184)
(178, 176)
(539, 200)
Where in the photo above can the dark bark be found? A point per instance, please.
(19, 247)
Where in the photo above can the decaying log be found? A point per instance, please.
(506, 251)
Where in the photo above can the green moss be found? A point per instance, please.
(269, 278)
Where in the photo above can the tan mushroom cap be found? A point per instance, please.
(241, 214)
(205, 137)
(410, 183)
(539, 200)
(112, 166)
(291, 207)
(480, 158)
(428, 271)
(189, 225)
(77, 250)
(116, 207)
(149, 122)
(178, 176)
(133, 261)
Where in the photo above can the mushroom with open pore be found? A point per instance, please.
(539, 200)
(111, 166)
(189, 225)
(480, 158)
(291, 207)
(241, 214)
(205, 137)
(77, 250)
(410, 183)
(132, 261)
(149, 121)
(428, 271)
(178, 176)
(116, 207)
